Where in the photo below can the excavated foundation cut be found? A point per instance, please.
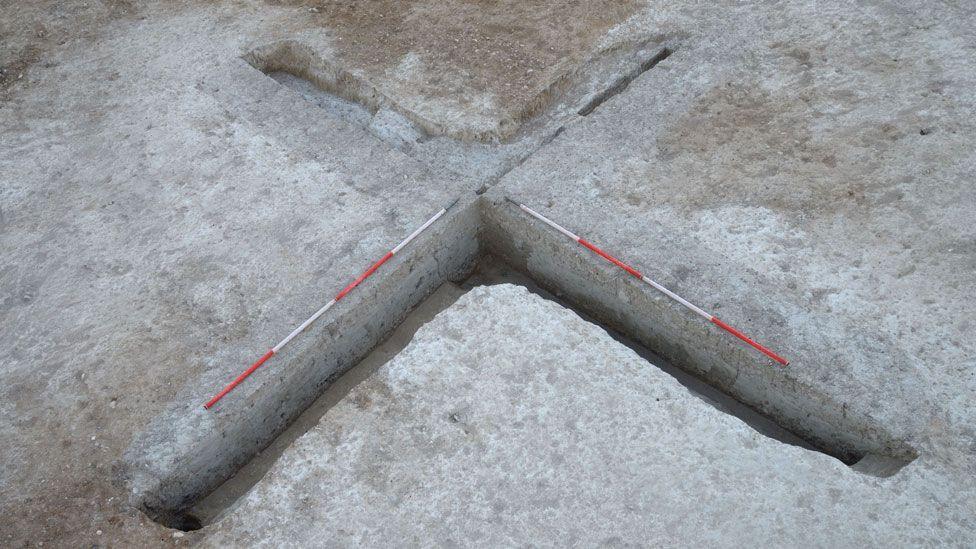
(572, 87)
(488, 271)
(188, 452)
(471, 70)
(378, 106)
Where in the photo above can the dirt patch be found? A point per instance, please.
(29, 30)
(478, 58)
(813, 145)
(14, 69)
(739, 132)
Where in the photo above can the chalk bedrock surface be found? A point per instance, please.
(509, 419)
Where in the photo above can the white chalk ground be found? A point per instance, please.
(510, 420)
(802, 168)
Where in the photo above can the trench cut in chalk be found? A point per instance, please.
(345, 291)
(638, 275)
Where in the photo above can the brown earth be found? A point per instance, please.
(29, 30)
(512, 50)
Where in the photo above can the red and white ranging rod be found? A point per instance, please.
(301, 327)
(636, 274)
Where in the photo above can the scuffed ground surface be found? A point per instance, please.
(166, 211)
(31, 31)
(509, 420)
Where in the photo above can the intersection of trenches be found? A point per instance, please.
(510, 417)
(188, 452)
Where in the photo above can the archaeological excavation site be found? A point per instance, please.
(487, 273)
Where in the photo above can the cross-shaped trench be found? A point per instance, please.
(189, 453)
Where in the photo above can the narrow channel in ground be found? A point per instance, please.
(489, 271)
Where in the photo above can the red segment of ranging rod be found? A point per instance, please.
(749, 340)
(363, 276)
(230, 386)
(637, 274)
(634, 272)
(352, 285)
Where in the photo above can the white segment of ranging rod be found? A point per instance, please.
(637, 274)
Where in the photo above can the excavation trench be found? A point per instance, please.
(184, 470)
(351, 96)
